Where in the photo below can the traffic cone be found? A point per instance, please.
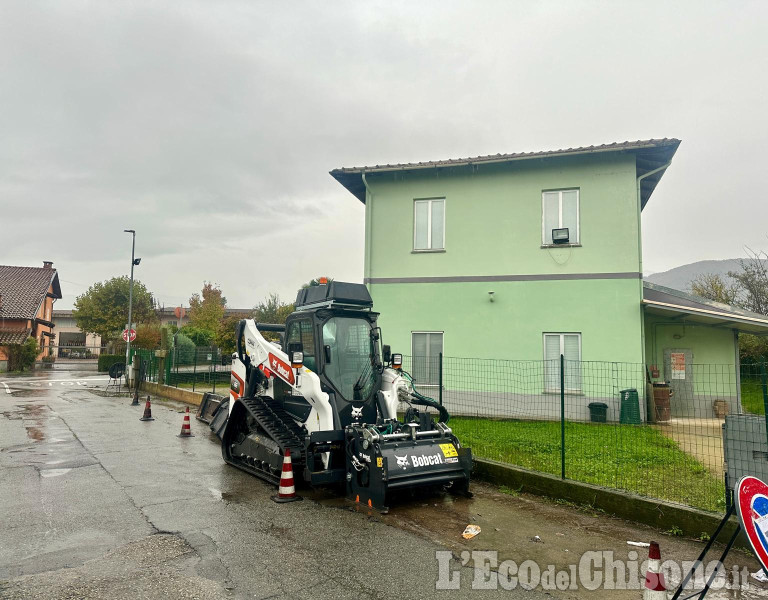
(286, 492)
(186, 430)
(654, 578)
(147, 412)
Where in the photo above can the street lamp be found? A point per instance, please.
(134, 263)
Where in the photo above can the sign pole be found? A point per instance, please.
(130, 300)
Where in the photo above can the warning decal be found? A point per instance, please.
(449, 450)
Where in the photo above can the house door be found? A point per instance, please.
(678, 372)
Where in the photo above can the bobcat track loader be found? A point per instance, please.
(332, 399)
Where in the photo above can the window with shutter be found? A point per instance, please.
(569, 345)
(427, 347)
(560, 208)
(429, 224)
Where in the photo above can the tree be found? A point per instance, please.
(225, 337)
(272, 310)
(753, 281)
(103, 308)
(714, 287)
(749, 291)
(206, 311)
(147, 337)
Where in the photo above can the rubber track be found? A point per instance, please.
(281, 427)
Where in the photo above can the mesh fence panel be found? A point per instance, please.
(611, 427)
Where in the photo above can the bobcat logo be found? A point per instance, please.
(402, 462)
(357, 413)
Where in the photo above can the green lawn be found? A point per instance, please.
(635, 458)
(752, 396)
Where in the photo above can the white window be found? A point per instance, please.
(569, 345)
(560, 209)
(429, 224)
(426, 349)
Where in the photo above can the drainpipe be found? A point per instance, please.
(368, 228)
(738, 369)
(640, 251)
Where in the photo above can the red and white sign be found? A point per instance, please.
(752, 504)
(282, 369)
(129, 335)
(677, 360)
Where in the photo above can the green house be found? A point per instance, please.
(530, 256)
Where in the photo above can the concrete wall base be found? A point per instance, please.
(656, 513)
(186, 396)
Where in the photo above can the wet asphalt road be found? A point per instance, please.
(97, 504)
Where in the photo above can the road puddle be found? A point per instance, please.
(54, 472)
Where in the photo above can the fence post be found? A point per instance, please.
(194, 372)
(764, 385)
(213, 366)
(440, 378)
(562, 416)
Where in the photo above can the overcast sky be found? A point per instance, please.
(210, 127)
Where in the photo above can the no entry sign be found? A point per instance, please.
(129, 334)
(752, 504)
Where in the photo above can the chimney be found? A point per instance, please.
(47, 264)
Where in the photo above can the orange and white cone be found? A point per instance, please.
(147, 412)
(654, 578)
(286, 492)
(186, 430)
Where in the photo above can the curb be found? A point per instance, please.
(656, 513)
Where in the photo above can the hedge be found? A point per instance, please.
(107, 360)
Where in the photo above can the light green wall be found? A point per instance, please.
(493, 219)
(605, 312)
(710, 345)
(714, 354)
(493, 227)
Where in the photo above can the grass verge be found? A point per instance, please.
(634, 458)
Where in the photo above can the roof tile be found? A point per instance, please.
(22, 290)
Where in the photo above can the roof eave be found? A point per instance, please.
(351, 178)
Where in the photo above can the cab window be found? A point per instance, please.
(301, 331)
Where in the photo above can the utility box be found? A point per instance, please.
(745, 448)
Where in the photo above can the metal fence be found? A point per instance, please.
(201, 369)
(599, 422)
(602, 423)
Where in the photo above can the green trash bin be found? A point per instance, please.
(630, 407)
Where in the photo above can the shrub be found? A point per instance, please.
(185, 350)
(21, 357)
(107, 360)
(199, 336)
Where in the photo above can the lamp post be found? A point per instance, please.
(134, 262)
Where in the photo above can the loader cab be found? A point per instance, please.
(341, 343)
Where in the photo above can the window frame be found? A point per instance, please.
(544, 243)
(413, 355)
(561, 334)
(429, 202)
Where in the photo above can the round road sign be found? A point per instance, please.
(752, 504)
(129, 334)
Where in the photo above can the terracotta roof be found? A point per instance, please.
(22, 290)
(651, 154)
(13, 336)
